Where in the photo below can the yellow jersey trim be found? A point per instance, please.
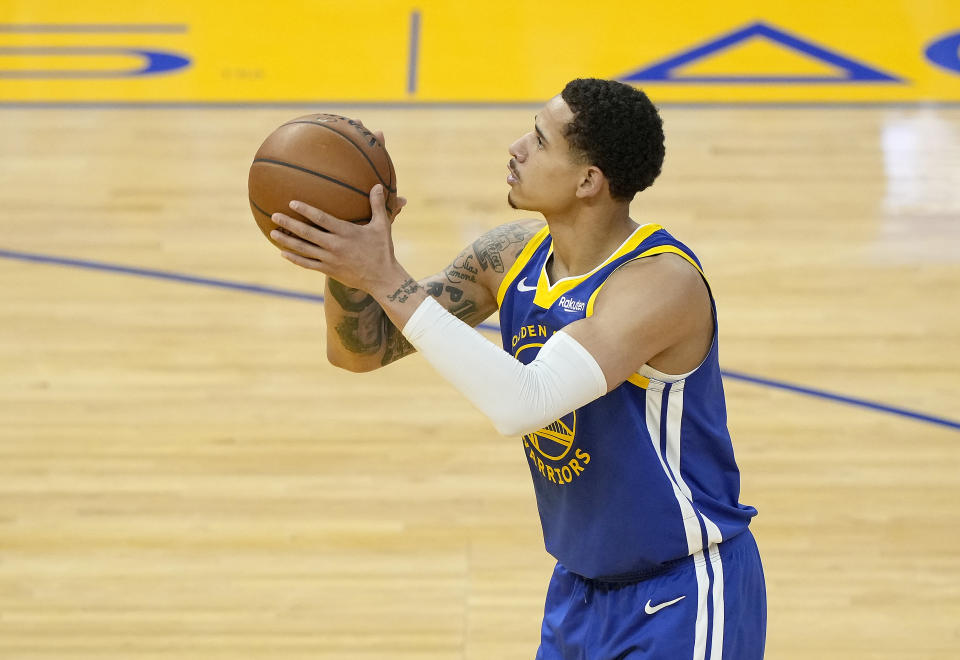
(640, 381)
(522, 259)
(661, 249)
(546, 294)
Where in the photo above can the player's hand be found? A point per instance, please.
(401, 201)
(359, 256)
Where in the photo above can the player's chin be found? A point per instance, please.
(517, 203)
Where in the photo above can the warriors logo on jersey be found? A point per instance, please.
(549, 449)
(555, 440)
(553, 453)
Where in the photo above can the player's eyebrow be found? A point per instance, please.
(537, 129)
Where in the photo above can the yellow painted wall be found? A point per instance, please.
(467, 52)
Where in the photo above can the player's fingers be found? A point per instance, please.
(304, 230)
(298, 228)
(319, 218)
(300, 246)
(378, 204)
(379, 136)
(401, 202)
(312, 264)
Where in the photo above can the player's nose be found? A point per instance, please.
(517, 151)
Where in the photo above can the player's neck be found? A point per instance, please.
(585, 237)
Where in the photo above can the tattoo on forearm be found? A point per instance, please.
(357, 337)
(406, 290)
(396, 345)
(360, 330)
(351, 300)
(490, 246)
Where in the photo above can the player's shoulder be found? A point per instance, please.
(497, 249)
(667, 277)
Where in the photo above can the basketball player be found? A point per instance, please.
(609, 373)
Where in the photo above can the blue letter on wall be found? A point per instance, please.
(945, 52)
(154, 62)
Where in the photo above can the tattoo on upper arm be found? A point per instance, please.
(489, 248)
(463, 309)
(462, 269)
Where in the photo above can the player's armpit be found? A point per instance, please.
(652, 311)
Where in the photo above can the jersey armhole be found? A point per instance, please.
(647, 373)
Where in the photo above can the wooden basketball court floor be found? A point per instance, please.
(182, 474)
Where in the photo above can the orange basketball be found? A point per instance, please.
(328, 161)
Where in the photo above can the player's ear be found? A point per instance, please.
(591, 182)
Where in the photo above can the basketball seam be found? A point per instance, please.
(355, 145)
(269, 215)
(308, 171)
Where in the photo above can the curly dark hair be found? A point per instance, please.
(618, 129)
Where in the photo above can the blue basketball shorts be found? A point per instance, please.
(709, 606)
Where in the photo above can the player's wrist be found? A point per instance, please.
(399, 295)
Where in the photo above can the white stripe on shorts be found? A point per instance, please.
(716, 644)
(703, 586)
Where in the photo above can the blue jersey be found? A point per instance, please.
(645, 474)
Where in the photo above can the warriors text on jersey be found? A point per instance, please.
(643, 475)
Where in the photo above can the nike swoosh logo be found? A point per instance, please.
(656, 608)
(522, 286)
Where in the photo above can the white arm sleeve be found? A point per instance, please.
(517, 398)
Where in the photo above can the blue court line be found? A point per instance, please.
(841, 398)
(414, 52)
(158, 274)
(311, 297)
